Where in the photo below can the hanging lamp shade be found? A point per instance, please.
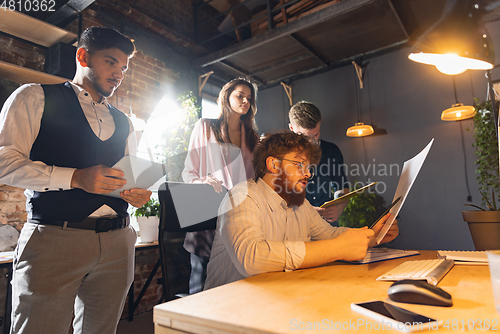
(359, 130)
(458, 112)
(457, 42)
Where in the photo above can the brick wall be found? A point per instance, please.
(145, 83)
(20, 53)
(12, 206)
(178, 16)
(145, 261)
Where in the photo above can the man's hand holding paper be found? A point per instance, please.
(136, 197)
(391, 234)
(98, 179)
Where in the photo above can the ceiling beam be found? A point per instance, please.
(308, 48)
(342, 62)
(281, 63)
(396, 16)
(269, 36)
(68, 12)
(241, 72)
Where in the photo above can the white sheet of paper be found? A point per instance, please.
(408, 176)
(139, 173)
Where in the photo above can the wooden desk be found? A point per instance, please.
(286, 302)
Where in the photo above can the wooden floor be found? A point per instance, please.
(142, 324)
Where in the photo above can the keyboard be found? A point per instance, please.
(430, 270)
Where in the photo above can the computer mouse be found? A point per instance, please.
(419, 292)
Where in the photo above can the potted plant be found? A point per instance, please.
(362, 210)
(484, 223)
(148, 218)
(177, 143)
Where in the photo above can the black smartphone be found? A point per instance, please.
(395, 317)
(387, 211)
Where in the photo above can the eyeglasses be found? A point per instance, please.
(303, 167)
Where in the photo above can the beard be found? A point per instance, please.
(94, 79)
(286, 190)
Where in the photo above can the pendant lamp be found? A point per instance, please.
(458, 111)
(359, 129)
(457, 42)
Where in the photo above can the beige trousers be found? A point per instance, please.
(60, 272)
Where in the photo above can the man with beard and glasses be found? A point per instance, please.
(266, 224)
(330, 181)
(75, 254)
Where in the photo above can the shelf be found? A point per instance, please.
(27, 75)
(33, 30)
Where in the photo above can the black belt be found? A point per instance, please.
(98, 225)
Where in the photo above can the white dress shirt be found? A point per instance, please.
(261, 234)
(20, 120)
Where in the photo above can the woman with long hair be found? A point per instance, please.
(220, 154)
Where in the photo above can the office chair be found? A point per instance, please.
(184, 207)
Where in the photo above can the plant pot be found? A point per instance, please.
(148, 228)
(484, 228)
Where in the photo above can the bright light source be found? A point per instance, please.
(458, 112)
(138, 123)
(209, 108)
(165, 117)
(450, 64)
(359, 130)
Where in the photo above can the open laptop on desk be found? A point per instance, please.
(189, 205)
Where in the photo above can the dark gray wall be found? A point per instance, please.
(406, 99)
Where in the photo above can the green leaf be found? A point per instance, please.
(151, 208)
(486, 151)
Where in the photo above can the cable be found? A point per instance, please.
(469, 196)
(472, 88)
(357, 97)
(455, 89)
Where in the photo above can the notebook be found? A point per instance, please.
(465, 257)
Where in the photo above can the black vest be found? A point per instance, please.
(67, 140)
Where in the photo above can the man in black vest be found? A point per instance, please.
(76, 251)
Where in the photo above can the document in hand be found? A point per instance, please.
(139, 173)
(347, 196)
(408, 176)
